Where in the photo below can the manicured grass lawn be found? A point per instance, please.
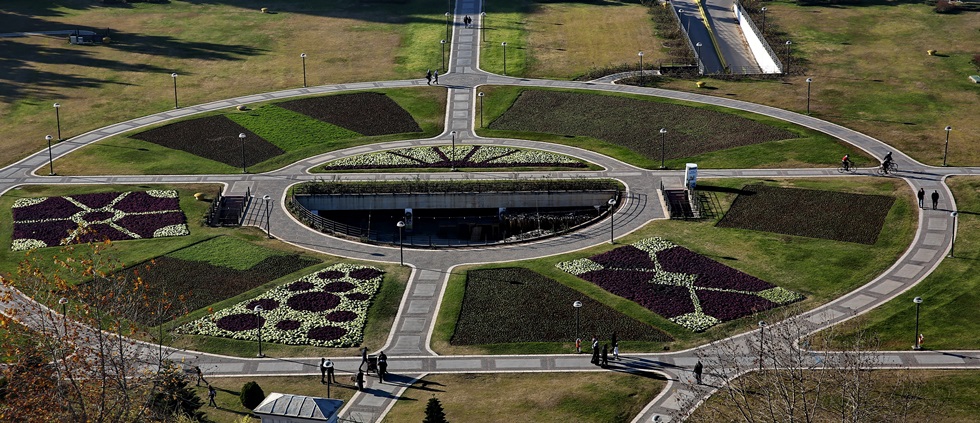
(230, 408)
(905, 104)
(299, 135)
(219, 50)
(950, 294)
(945, 396)
(819, 269)
(565, 40)
(609, 126)
(530, 397)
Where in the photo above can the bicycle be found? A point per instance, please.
(892, 167)
(850, 168)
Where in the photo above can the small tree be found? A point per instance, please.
(174, 397)
(434, 412)
(251, 395)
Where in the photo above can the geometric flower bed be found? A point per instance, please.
(838, 216)
(633, 123)
(326, 309)
(366, 113)
(214, 138)
(513, 305)
(679, 284)
(489, 156)
(49, 221)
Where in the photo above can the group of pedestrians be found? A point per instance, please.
(922, 197)
(432, 77)
(211, 391)
(600, 357)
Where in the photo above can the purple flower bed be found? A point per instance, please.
(338, 287)
(679, 284)
(313, 301)
(240, 322)
(45, 222)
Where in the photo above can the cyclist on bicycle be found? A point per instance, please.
(846, 162)
(886, 163)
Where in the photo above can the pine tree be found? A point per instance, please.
(434, 412)
(175, 397)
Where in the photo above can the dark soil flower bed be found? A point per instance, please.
(518, 305)
(240, 322)
(214, 138)
(839, 216)
(364, 113)
(313, 301)
(634, 123)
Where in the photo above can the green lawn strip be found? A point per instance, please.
(943, 396)
(226, 251)
(530, 397)
(819, 269)
(123, 155)
(950, 294)
(505, 26)
(230, 408)
(811, 149)
(289, 130)
(380, 317)
(127, 252)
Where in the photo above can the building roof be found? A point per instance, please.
(288, 405)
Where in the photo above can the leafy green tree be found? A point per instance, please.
(251, 395)
(434, 412)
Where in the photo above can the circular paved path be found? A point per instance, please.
(408, 342)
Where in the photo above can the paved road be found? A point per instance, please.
(408, 343)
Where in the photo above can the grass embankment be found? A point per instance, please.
(944, 396)
(230, 408)
(298, 135)
(950, 293)
(820, 269)
(530, 397)
(807, 149)
(219, 50)
(905, 104)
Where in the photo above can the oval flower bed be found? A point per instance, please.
(465, 156)
(50, 221)
(679, 284)
(326, 309)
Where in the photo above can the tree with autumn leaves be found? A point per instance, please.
(69, 329)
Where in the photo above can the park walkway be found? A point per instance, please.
(409, 340)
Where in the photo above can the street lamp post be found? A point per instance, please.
(258, 318)
(57, 118)
(641, 67)
(578, 307)
(303, 56)
(443, 42)
(64, 313)
(764, 22)
(504, 44)
(789, 45)
(401, 245)
(447, 24)
(242, 137)
(663, 146)
(453, 159)
(268, 213)
(50, 157)
(174, 76)
(698, 45)
(946, 149)
(762, 334)
(952, 241)
(808, 81)
(917, 301)
(483, 26)
(480, 94)
(612, 203)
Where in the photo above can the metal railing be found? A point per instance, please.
(326, 225)
(687, 37)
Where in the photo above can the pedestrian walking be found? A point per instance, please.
(428, 77)
(595, 353)
(382, 366)
(435, 77)
(922, 196)
(614, 340)
(326, 370)
(616, 352)
(200, 376)
(698, 368)
(605, 355)
(935, 199)
(363, 358)
(359, 379)
(578, 345)
(211, 394)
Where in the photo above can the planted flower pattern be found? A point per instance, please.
(679, 284)
(50, 221)
(462, 156)
(327, 309)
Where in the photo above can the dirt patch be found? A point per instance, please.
(215, 138)
(364, 113)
